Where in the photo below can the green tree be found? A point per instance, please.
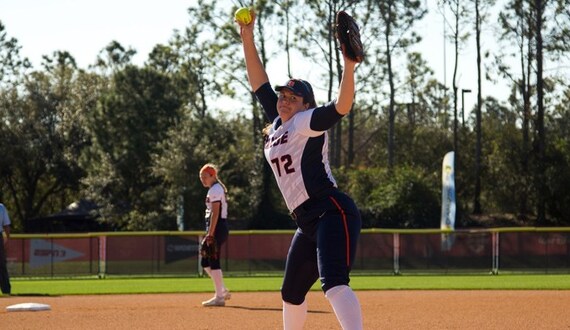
(43, 139)
(552, 34)
(481, 16)
(194, 142)
(407, 197)
(516, 23)
(131, 118)
(558, 167)
(416, 121)
(397, 19)
(12, 65)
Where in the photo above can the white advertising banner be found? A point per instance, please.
(44, 252)
(448, 199)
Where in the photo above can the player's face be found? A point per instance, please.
(288, 104)
(206, 179)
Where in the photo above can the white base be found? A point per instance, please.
(28, 307)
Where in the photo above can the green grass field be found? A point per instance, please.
(57, 287)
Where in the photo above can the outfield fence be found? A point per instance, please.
(250, 253)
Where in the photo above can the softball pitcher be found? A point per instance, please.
(328, 221)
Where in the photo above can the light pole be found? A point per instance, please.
(463, 91)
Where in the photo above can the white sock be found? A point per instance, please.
(346, 307)
(294, 316)
(223, 284)
(208, 271)
(217, 276)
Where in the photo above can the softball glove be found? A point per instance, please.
(209, 248)
(348, 35)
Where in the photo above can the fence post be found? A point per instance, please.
(495, 253)
(396, 237)
(102, 256)
(200, 269)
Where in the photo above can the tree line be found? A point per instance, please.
(132, 138)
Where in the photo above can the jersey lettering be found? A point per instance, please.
(284, 161)
(276, 140)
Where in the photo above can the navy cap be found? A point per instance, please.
(301, 88)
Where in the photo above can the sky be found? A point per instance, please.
(84, 28)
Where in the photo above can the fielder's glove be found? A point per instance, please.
(348, 35)
(209, 248)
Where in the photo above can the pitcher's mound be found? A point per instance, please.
(28, 307)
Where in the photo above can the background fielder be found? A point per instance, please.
(216, 231)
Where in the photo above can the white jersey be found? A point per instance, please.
(298, 156)
(216, 193)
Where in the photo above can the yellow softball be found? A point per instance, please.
(243, 15)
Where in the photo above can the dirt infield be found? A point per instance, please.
(381, 310)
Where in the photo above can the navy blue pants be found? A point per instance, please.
(4, 277)
(221, 235)
(324, 246)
